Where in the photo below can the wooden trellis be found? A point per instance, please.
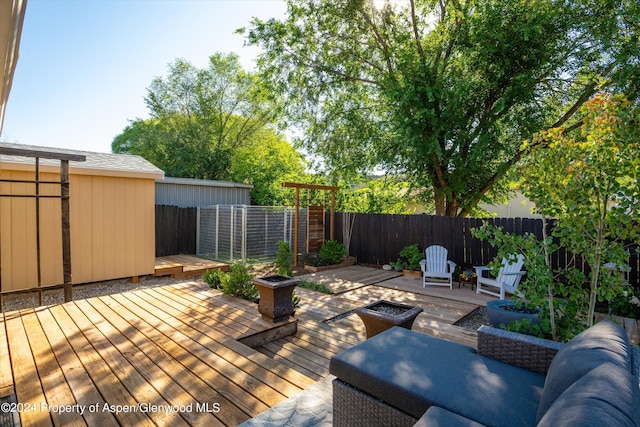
(64, 159)
(297, 187)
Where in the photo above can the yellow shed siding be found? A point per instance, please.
(112, 230)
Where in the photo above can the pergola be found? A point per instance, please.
(297, 187)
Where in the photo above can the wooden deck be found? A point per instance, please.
(186, 266)
(171, 356)
(173, 347)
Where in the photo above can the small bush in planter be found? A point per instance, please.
(283, 259)
(332, 252)
(410, 257)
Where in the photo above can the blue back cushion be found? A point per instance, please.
(606, 396)
(605, 342)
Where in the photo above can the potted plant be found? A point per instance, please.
(502, 313)
(410, 257)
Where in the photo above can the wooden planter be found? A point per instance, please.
(412, 273)
(382, 315)
(346, 262)
(275, 296)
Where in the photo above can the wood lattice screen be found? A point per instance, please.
(64, 159)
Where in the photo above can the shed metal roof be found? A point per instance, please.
(203, 182)
(104, 164)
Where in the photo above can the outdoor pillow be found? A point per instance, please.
(604, 342)
(607, 395)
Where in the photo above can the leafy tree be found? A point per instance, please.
(213, 123)
(198, 117)
(266, 163)
(386, 195)
(443, 92)
(589, 182)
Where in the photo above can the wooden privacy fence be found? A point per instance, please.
(379, 238)
(175, 230)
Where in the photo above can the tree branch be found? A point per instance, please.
(416, 34)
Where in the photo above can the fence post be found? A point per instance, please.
(243, 235)
(217, 230)
(198, 230)
(231, 227)
(284, 229)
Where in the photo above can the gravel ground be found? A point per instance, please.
(476, 320)
(22, 301)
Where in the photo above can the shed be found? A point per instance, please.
(187, 193)
(111, 215)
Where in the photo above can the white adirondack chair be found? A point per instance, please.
(507, 280)
(437, 270)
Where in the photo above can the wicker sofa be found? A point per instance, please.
(404, 378)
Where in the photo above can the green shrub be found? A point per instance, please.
(295, 300)
(282, 262)
(238, 283)
(214, 278)
(410, 257)
(332, 252)
(626, 304)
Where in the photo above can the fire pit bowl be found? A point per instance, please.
(382, 315)
(275, 296)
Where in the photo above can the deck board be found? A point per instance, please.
(58, 393)
(186, 266)
(204, 362)
(203, 333)
(83, 389)
(29, 390)
(112, 390)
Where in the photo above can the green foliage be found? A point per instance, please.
(385, 195)
(213, 123)
(283, 259)
(410, 257)
(442, 93)
(266, 162)
(238, 283)
(214, 278)
(559, 295)
(331, 252)
(589, 182)
(314, 286)
(626, 304)
(295, 300)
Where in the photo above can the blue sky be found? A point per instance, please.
(85, 65)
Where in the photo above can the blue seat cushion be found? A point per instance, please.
(602, 343)
(438, 417)
(413, 371)
(606, 396)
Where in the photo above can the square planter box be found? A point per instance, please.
(275, 296)
(346, 262)
(382, 315)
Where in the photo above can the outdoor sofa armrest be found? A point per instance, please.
(517, 349)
